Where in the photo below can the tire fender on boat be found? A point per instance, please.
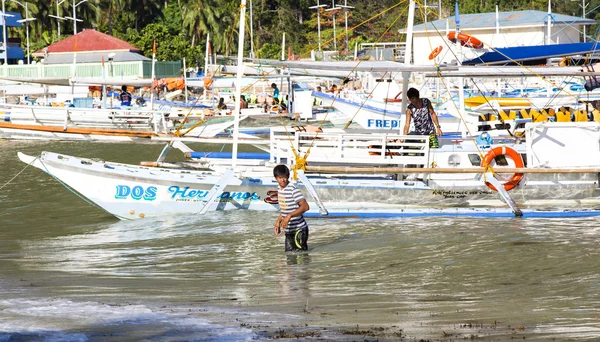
(510, 153)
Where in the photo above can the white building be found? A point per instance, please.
(508, 29)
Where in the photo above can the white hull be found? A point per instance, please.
(64, 123)
(23, 134)
(131, 192)
(372, 114)
(138, 119)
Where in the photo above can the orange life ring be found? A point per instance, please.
(510, 153)
(435, 52)
(465, 40)
(207, 82)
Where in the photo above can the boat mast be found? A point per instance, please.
(153, 76)
(407, 56)
(206, 69)
(103, 84)
(238, 84)
(549, 28)
(461, 80)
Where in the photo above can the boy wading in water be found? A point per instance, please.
(292, 205)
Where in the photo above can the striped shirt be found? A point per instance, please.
(289, 200)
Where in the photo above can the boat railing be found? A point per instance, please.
(133, 118)
(351, 148)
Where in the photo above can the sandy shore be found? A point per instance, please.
(359, 332)
(352, 325)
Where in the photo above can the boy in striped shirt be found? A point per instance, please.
(292, 205)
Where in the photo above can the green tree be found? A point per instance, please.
(172, 19)
(168, 46)
(269, 51)
(201, 17)
(145, 12)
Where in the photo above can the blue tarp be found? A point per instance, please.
(12, 19)
(14, 52)
(532, 53)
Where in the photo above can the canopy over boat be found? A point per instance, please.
(533, 54)
(367, 66)
(512, 71)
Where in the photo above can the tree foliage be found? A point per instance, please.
(180, 27)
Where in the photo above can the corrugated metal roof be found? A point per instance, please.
(512, 19)
(90, 40)
(94, 57)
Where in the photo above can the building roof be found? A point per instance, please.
(88, 40)
(94, 57)
(528, 18)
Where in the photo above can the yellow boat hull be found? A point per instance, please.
(502, 101)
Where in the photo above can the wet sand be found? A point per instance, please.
(322, 326)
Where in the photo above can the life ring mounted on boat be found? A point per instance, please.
(510, 153)
(465, 40)
(435, 52)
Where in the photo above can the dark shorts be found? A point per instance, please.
(296, 239)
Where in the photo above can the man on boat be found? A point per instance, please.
(426, 121)
(243, 103)
(275, 93)
(221, 105)
(316, 100)
(125, 97)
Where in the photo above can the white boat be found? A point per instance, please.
(69, 123)
(387, 115)
(357, 174)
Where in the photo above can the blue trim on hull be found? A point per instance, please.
(227, 155)
(370, 108)
(500, 213)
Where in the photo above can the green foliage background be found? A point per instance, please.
(180, 27)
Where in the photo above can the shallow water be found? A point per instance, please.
(70, 272)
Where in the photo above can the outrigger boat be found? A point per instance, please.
(358, 174)
(554, 172)
(95, 124)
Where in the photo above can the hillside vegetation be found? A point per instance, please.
(180, 27)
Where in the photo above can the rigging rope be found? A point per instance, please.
(17, 175)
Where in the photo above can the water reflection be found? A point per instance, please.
(434, 272)
(294, 278)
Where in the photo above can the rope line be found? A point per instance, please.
(77, 193)
(17, 175)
